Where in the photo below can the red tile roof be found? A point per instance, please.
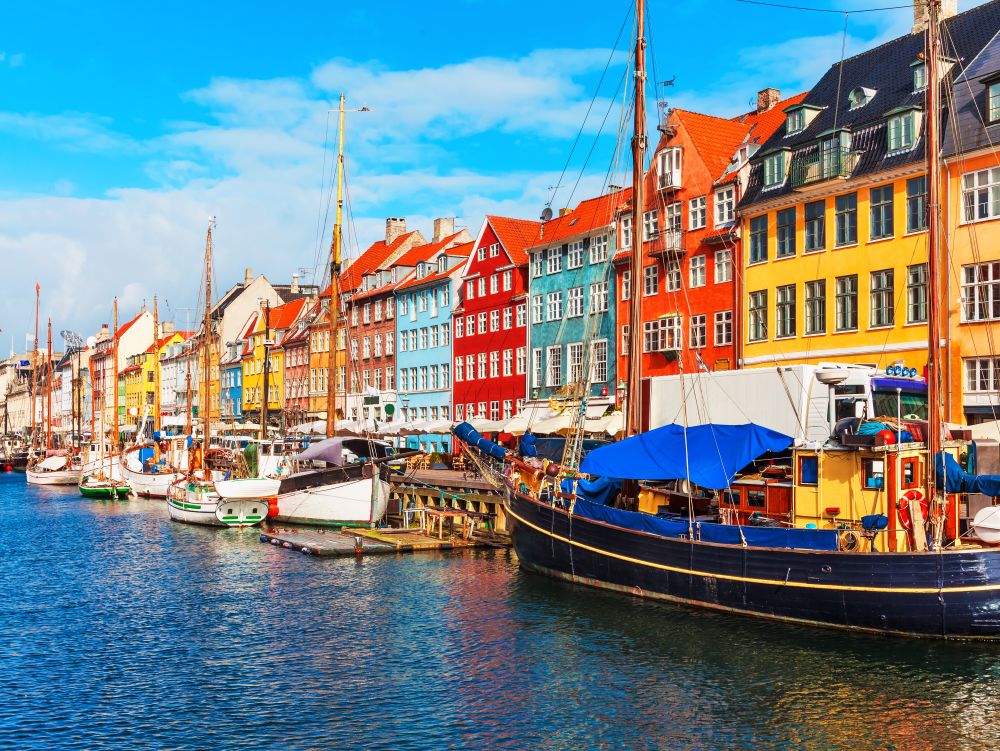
(371, 259)
(425, 252)
(283, 316)
(122, 329)
(164, 339)
(588, 215)
(766, 123)
(715, 138)
(459, 250)
(516, 236)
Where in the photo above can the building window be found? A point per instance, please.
(696, 271)
(470, 325)
(725, 206)
(626, 229)
(981, 291)
(916, 293)
(553, 376)
(508, 362)
(774, 170)
(795, 121)
(698, 331)
(537, 264)
(696, 213)
(847, 219)
(508, 318)
(445, 334)
(494, 364)
(481, 365)
(522, 360)
(650, 280)
(553, 260)
(508, 409)
(459, 369)
(662, 335)
(627, 285)
(495, 410)
(846, 303)
(574, 361)
(481, 292)
(599, 361)
(673, 276)
(536, 308)
(470, 369)
(553, 306)
(481, 318)
(881, 212)
(481, 254)
(916, 204)
(882, 298)
(902, 131)
(815, 226)
(574, 302)
(993, 102)
(599, 297)
(723, 328)
(672, 217)
(816, 307)
(494, 320)
(859, 97)
(786, 233)
(522, 315)
(723, 266)
(919, 77)
(574, 258)
(650, 227)
(508, 280)
(758, 239)
(599, 249)
(670, 167)
(494, 284)
(982, 374)
(625, 339)
(981, 194)
(784, 303)
(758, 316)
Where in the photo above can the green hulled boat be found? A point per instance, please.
(91, 487)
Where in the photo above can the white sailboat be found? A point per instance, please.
(55, 470)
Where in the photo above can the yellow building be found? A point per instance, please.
(260, 335)
(834, 218)
(137, 382)
(319, 363)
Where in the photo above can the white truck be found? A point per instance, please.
(791, 399)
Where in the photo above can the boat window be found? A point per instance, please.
(848, 407)
(755, 498)
(910, 472)
(731, 497)
(873, 473)
(809, 470)
(912, 406)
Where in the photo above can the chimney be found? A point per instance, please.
(564, 212)
(394, 227)
(166, 329)
(767, 98)
(921, 13)
(295, 284)
(247, 276)
(105, 332)
(443, 227)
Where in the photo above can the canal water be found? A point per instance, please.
(122, 630)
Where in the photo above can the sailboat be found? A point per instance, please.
(925, 580)
(203, 496)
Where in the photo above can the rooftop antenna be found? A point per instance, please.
(663, 107)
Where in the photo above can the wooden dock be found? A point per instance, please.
(370, 541)
(429, 487)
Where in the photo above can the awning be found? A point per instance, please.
(708, 455)
(611, 425)
(316, 427)
(550, 426)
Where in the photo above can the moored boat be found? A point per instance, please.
(54, 470)
(93, 486)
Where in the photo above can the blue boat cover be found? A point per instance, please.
(957, 480)
(715, 453)
(727, 534)
(599, 491)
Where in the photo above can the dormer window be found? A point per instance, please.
(795, 122)
(775, 169)
(902, 130)
(919, 75)
(421, 270)
(993, 102)
(442, 264)
(860, 96)
(669, 162)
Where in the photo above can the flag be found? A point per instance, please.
(38, 288)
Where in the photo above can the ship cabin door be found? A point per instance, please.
(905, 474)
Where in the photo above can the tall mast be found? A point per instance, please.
(33, 391)
(933, 264)
(188, 378)
(335, 259)
(206, 346)
(264, 406)
(114, 383)
(156, 366)
(48, 390)
(633, 423)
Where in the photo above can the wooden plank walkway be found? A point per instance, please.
(372, 541)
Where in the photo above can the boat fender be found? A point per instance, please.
(849, 541)
(903, 507)
(552, 469)
(263, 538)
(286, 544)
(275, 542)
(306, 551)
(272, 506)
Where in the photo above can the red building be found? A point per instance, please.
(490, 341)
(295, 408)
(690, 237)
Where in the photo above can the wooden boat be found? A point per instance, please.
(54, 470)
(195, 501)
(91, 486)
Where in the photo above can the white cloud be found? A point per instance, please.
(74, 131)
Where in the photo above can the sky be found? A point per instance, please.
(124, 126)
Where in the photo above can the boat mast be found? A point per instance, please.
(335, 254)
(114, 384)
(264, 406)
(156, 367)
(187, 360)
(48, 390)
(206, 348)
(33, 390)
(633, 423)
(933, 268)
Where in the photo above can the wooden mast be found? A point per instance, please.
(48, 389)
(633, 423)
(188, 378)
(33, 390)
(206, 348)
(114, 383)
(156, 367)
(933, 270)
(335, 259)
(264, 405)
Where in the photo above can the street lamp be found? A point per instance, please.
(620, 394)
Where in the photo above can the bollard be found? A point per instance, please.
(358, 545)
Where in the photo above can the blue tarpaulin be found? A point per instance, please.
(715, 453)
(600, 490)
(957, 480)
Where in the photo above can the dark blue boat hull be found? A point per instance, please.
(951, 594)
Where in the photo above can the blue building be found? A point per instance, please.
(231, 374)
(424, 301)
(571, 308)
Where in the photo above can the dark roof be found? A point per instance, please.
(886, 69)
(971, 109)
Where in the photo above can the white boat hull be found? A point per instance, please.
(253, 488)
(147, 484)
(54, 477)
(205, 507)
(108, 467)
(355, 503)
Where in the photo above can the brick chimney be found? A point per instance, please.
(564, 212)
(767, 98)
(394, 227)
(294, 289)
(105, 333)
(921, 13)
(443, 227)
(166, 329)
(247, 276)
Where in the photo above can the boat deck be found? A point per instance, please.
(372, 541)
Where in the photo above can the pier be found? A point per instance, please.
(467, 491)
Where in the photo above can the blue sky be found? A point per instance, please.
(123, 126)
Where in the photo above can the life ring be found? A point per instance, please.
(903, 507)
(849, 541)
